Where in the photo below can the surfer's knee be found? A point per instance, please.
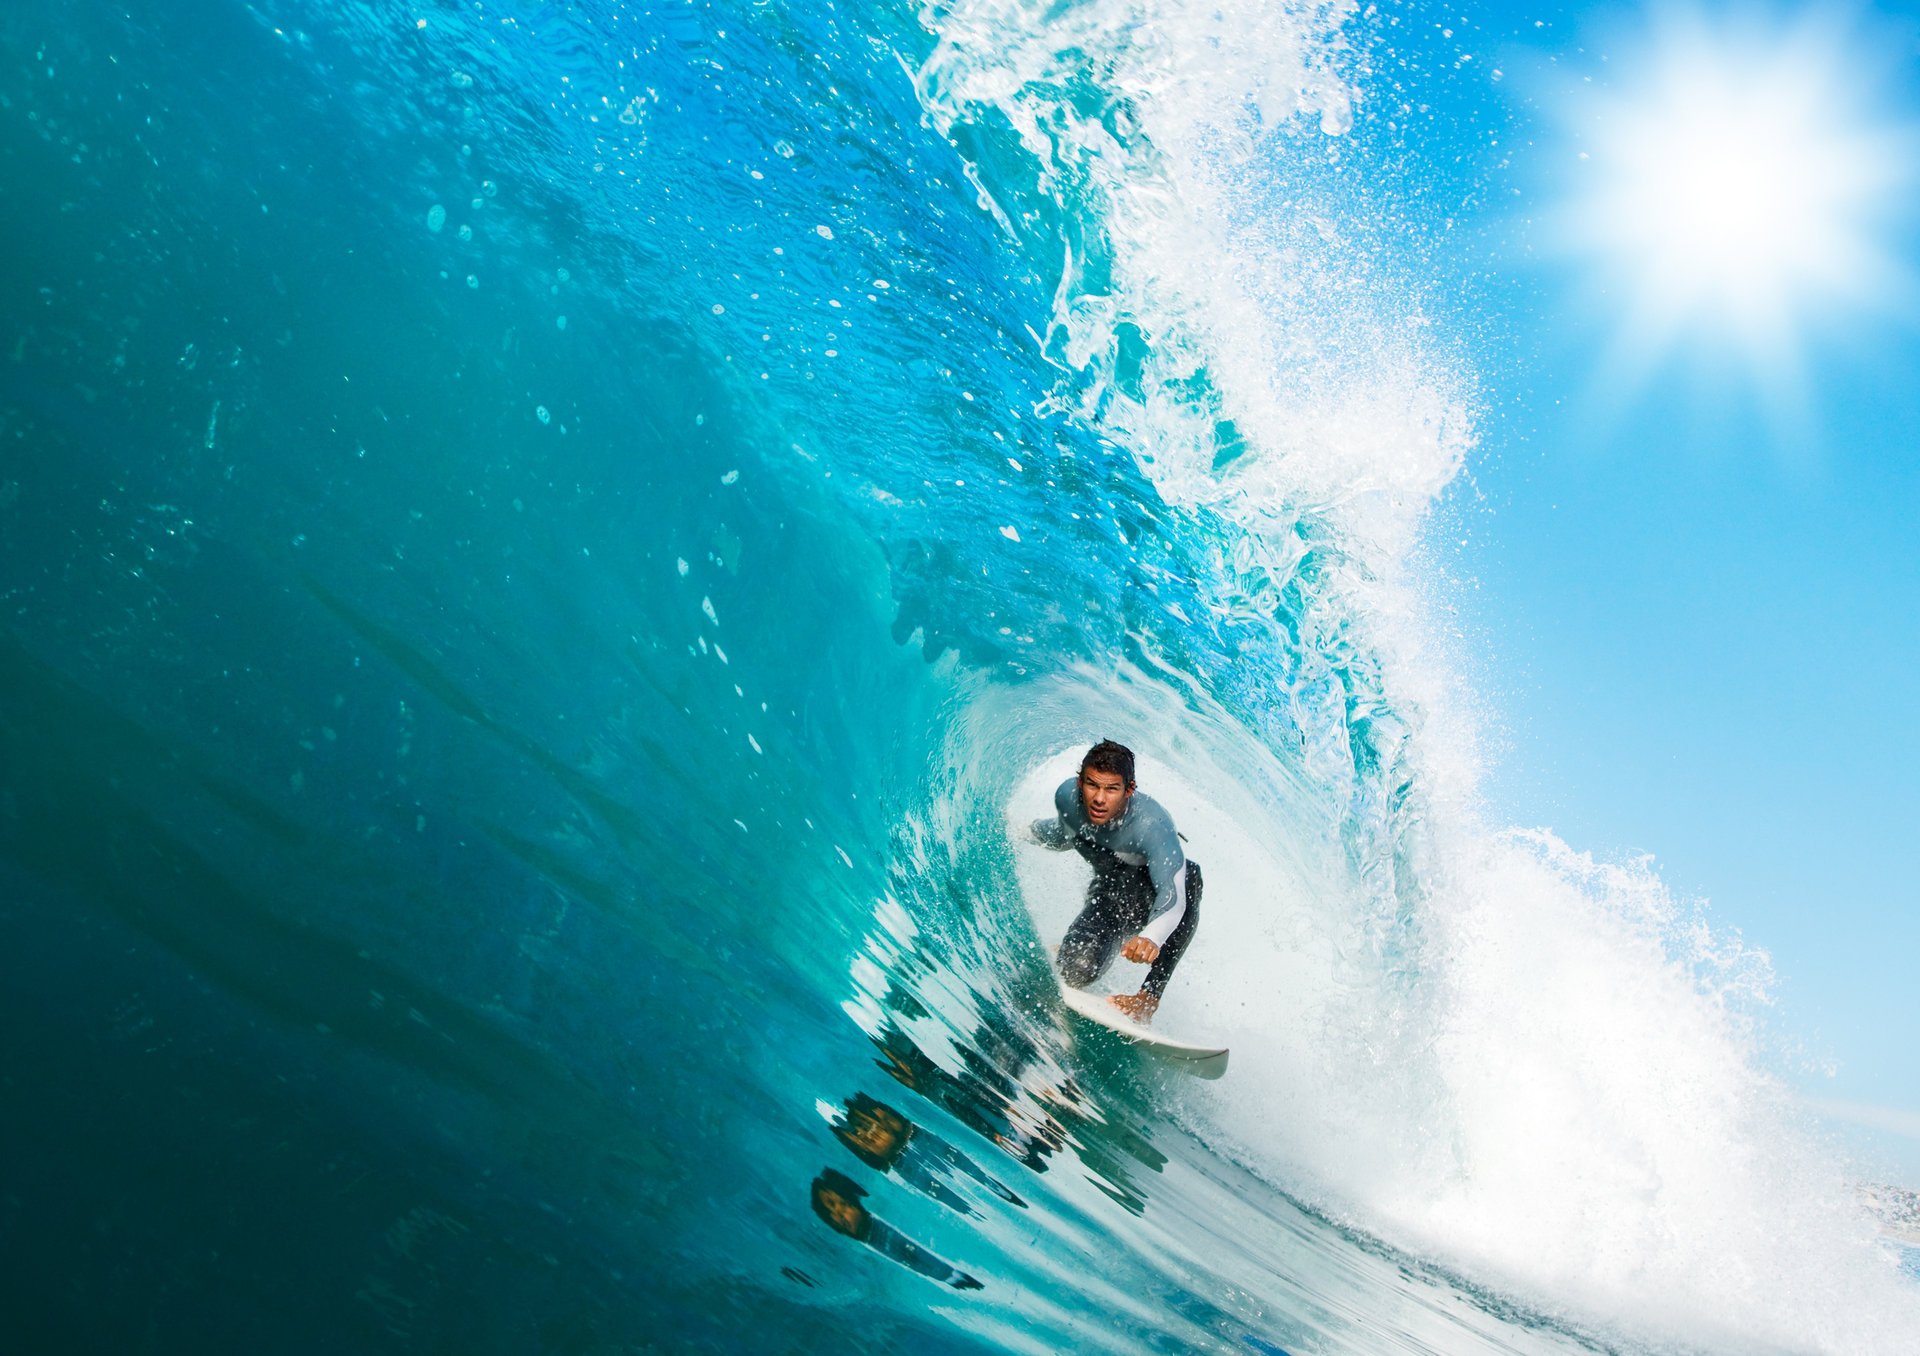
(1079, 967)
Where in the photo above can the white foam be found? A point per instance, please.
(1479, 1043)
(1557, 1094)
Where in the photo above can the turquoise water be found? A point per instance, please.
(541, 548)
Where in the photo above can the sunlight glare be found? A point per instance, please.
(1732, 191)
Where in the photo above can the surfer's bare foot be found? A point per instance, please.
(1138, 1006)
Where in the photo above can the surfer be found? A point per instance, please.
(1144, 900)
(837, 1200)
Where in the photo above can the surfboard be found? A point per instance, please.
(1202, 1061)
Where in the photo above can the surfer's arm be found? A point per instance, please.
(1051, 833)
(890, 1242)
(1167, 866)
(1059, 832)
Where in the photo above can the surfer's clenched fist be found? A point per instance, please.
(1141, 950)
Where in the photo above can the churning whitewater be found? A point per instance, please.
(551, 551)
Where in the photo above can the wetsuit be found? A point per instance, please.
(1142, 885)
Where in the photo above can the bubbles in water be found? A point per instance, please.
(541, 413)
(560, 322)
(473, 281)
(466, 232)
(461, 80)
(436, 217)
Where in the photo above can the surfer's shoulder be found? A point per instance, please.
(1148, 816)
(1149, 809)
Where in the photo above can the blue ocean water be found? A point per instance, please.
(545, 547)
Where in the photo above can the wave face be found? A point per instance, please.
(548, 548)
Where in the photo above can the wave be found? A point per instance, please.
(560, 540)
(1478, 1041)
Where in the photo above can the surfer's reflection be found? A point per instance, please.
(883, 1138)
(1028, 1108)
(837, 1200)
(985, 1109)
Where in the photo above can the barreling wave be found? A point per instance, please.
(1538, 1066)
(563, 536)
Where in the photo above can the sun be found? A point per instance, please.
(1731, 191)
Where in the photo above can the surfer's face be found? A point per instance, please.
(876, 1134)
(842, 1214)
(1104, 794)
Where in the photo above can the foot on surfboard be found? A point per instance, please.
(1138, 1007)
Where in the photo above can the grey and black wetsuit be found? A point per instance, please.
(1142, 885)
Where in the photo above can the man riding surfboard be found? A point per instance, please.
(1144, 899)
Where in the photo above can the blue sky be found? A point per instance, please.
(1692, 532)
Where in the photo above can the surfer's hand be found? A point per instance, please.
(1141, 950)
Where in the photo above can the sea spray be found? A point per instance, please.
(1478, 1041)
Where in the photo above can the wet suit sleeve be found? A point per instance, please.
(1167, 866)
(1059, 832)
(883, 1238)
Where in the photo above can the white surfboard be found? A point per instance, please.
(1202, 1061)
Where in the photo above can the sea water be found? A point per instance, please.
(548, 553)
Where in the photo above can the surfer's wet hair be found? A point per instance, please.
(831, 1183)
(863, 1109)
(1109, 757)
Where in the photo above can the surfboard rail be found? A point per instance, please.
(1203, 1061)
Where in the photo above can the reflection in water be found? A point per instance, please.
(883, 1138)
(836, 1199)
(1010, 1096)
(988, 1074)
